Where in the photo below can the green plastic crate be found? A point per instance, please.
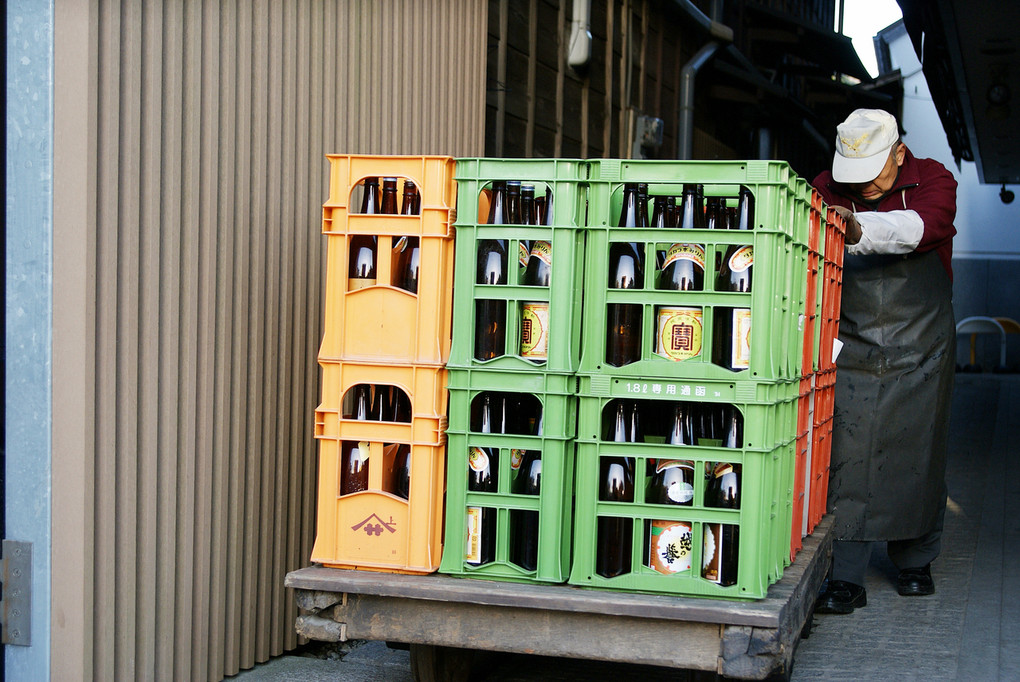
(554, 503)
(766, 458)
(769, 408)
(566, 236)
(756, 519)
(780, 247)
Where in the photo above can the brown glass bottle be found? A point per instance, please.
(388, 204)
(402, 471)
(408, 253)
(692, 209)
(672, 483)
(524, 522)
(513, 202)
(616, 484)
(723, 486)
(626, 271)
(615, 534)
(483, 471)
(731, 331)
(720, 553)
(361, 269)
(490, 314)
(354, 458)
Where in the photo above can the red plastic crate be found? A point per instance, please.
(801, 481)
(832, 284)
(824, 395)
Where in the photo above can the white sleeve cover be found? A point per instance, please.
(888, 232)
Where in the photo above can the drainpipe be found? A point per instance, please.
(685, 143)
(720, 34)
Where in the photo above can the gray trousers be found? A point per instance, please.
(850, 557)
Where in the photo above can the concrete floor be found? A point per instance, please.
(967, 630)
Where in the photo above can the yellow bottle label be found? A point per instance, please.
(535, 331)
(679, 333)
(478, 459)
(742, 259)
(473, 535)
(355, 283)
(670, 545)
(711, 552)
(543, 251)
(523, 254)
(740, 344)
(692, 252)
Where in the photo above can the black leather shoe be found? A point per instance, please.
(841, 597)
(915, 582)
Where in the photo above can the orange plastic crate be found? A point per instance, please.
(821, 445)
(375, 529)
(425, 387)
(384, 323)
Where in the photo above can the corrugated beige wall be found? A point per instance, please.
(189, 178)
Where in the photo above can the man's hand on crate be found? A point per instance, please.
(853, 228)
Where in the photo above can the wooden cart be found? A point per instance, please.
(444, 618)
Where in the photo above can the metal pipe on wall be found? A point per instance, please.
(720, 34)
(685, 137)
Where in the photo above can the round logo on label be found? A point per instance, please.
(478, 459)
(516, 457)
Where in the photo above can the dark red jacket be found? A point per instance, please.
(923, 185)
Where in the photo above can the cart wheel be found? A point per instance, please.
(431, 663)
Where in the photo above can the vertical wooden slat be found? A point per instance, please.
(127, 344)
(233, 207)
(75, 162)
(150, 185)
(190, 158)
(107, 133)
(168, 622)
(253, 594)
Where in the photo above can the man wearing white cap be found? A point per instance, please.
(894, 376)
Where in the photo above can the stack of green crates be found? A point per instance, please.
(766, 393)
(552, 383)
(575, 386)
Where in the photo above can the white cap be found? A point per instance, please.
(863, 142)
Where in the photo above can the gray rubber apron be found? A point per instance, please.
(894, 384)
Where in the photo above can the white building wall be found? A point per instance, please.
(986, 227)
